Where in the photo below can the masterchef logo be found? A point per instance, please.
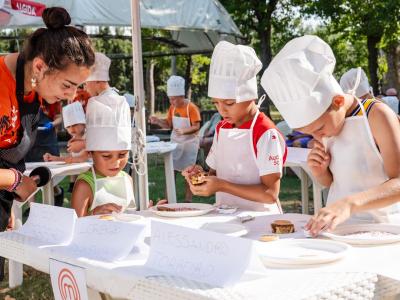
(67, 285)
(274, 159)
(28, 7)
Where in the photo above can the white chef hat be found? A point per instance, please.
(299, 80)
(348, 81)
(108, 123)
(175, 86)
(233, 72)
(73, 114)
(100, 71)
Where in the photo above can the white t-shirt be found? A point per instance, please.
(269, 145)
(393, 103)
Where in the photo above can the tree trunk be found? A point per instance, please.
(393, 60)
(188, 77)
(152, 88)
(372, 42)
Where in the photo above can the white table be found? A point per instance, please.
(58, 172)
(297, 160)
(353, 277)
(165, 149)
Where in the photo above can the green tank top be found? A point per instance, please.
(88, 178)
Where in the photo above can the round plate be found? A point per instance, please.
(365, 234)
(302, 252)
(127, 217)
(230, 229)
(44, 163)
(199, 209)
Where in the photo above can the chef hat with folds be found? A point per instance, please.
(233, 72)
(299, 80)
(348, 81)
(73, 114)
(100, 71)
(175, 86)
(108, 123)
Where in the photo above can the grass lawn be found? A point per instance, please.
(37, 285)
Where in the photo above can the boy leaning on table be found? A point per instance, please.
(358, 157)
(248, 152)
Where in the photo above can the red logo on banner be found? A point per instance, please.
(67, 285)
(28, 7)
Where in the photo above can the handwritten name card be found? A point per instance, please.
(198, 255)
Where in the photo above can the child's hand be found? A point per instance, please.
(26, 188)
(179, 131)
(106, 209)
(210, 186)
(160, 202)
(153, 120)
(318, 160)
(329, 217)
(47, 157)
(76, 145)
(191, 170)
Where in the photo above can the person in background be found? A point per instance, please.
(82, 96)
(96, 85)
(299, 140)
(184, 119)
(357, 146)
(207, 133)
(248, 152)
(53, 62)
(392, 100)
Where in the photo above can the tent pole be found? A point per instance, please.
(138, 86)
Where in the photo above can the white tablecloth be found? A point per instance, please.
(353, 276)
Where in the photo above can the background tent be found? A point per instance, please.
(198, 25)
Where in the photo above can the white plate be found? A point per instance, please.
(127, 217)
(44, 163)
(302, 252)
(230, 229)
(342, 233)
(201, 209)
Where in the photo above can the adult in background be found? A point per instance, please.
(184, 119)
(54, 62)
(392, 100)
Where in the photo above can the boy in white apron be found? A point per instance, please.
(248, 152)
(357, 149)
(184, 120)
(106, 188)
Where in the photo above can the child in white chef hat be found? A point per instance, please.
(75, 123)
(106, 188)
(248, 152)
(357, 156)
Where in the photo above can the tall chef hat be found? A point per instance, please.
(108, 123)
(300, 82)
(233, 72)
(73, 114)
(101, 68)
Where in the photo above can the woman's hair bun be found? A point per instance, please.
(56, 17)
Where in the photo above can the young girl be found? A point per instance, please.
(75, 123)
(248, 151)
(357, 147)
(106, 188)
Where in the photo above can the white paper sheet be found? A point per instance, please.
(49, 224)
(102, 240)
(199, 255)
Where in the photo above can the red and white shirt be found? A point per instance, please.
(268, 144)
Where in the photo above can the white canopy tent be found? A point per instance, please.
(197, 24)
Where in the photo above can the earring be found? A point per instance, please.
(33, 82)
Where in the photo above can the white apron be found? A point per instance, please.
(357, 165)
(117, 190)
(236, 163)
(185, 153)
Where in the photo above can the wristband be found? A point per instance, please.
(17, 180)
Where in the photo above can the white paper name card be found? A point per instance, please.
(198, 255)
(103, 240)
(68, 281)
(50, 224)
